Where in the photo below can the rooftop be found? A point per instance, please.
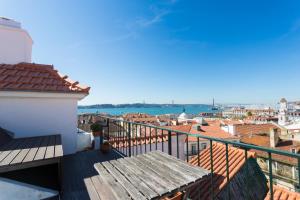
(264, 141)
(31, 77)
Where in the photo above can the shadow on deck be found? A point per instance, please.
(77, 167)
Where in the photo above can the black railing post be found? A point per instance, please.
(129, 139)
(101, 136)
(107, 128)
(271, 176)
(211, 169)
(187, 148)
(227, 172)
(298, 172)
(198, 147)
(150, 139)
(169, 143)
(136, 142)
(141, 147)
(247, 173)
(155, 138)
(177, 145)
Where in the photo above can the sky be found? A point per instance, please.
(131, 51)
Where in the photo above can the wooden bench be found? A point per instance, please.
(22, 153)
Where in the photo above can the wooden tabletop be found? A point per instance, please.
(149, 176)
(28, 152)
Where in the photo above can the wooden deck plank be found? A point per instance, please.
(8, 148)
(92, 191)
(164, 176)
(7, 160)
(117, 189)
(131, 189)
(32, 152)
(40, 154)
(175, 167)
(103, 189)
(58, 146)
(20, 157)
(149, 177)
(135, 180)
(181, 163)
(176, 178)
(50, 147)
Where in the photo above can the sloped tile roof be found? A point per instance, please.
(246, 129)
(236, 158)
(283, 194)
(213, 129)
(264, 141)
(36, 78)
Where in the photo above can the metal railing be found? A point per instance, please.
(130, 138)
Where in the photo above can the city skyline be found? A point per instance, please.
(159, 51)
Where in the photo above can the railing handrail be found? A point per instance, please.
(239, 144)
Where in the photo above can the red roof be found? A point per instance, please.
(213, 129)
(247, 129)
(37, 78)
(264, 141)
(283, 194)
(236, 159)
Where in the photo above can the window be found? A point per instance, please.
(194, 149)
(203, 146)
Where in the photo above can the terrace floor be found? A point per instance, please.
(77, 167)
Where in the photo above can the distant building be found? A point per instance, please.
(283, 110)
(244, 112)
(204, 127)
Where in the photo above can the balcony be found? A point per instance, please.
(234, 171)
(133, 139)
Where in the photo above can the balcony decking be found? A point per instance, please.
(78, 167)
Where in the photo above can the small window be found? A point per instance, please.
(194, 149)
(203, 146)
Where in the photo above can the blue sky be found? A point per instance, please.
(159, 51)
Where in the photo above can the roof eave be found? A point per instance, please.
(43, 94)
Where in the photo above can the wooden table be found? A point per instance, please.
(149, 176)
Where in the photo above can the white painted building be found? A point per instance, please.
(15, 42)
(35, 99)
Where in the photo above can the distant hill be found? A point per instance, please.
(136, 105)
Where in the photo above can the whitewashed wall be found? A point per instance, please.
(41, 116)
(15, 45)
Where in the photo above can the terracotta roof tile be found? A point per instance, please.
(245, 129)
(36, 78)
(236, 158)
(283, 194)
(264, 141)
(213, 129)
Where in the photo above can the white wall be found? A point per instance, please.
(41, 116)
(15, 45)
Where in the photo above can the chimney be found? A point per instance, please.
(274, 137)
(198, 128)
(16, 43)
